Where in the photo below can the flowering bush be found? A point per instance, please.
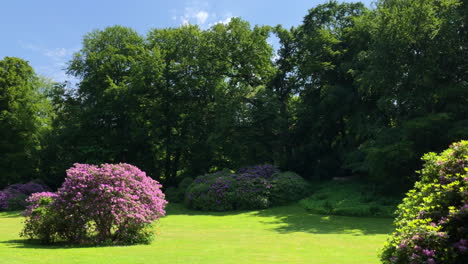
(42, 221)
(253, 190)
(250, 188)
(113, 203)
(431, 221)
(212, 192)
(14, 196)
(261, 171)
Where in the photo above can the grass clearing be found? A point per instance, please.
(286, 234)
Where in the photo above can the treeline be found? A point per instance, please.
(351, 91)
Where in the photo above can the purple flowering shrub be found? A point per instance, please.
(261, 171)
(111, 203)
(253, 191)
(212, 192)
(431, 226)
(250, 188)
(14, 197)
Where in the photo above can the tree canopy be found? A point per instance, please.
(349, 91)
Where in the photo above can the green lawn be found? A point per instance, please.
(285, 234)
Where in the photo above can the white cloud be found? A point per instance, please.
(195, 12)
(54, 63)
(194, 15)
(225, 21)
(58, 52)
(201, 17)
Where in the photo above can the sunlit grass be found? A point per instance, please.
(286, 234)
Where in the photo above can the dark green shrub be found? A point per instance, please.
(288, 187)
(431, 223)
(251, 188)
(172, 194)
(177, 194)
(349, 199)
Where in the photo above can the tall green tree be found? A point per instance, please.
(327, 51)
(181, 101)
(24, 117)
(416, 75)
(202, 99)
(105, 65)
(351, 91)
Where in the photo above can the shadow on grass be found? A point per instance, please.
(25, 243)
(180, 209)
(294, 218)
(35, 244)
(282, 219)
(10, 214)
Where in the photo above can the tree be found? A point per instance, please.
(416, 79)
(328, 45)
(23, 118)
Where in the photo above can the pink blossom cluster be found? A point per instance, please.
(116, 193)
(110, 202)
(34, 201)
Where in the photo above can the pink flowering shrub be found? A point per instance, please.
(431, 226)
(111, 203)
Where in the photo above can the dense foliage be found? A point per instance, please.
(351, 90)
(350, 199)
(23, 120)
(14, 196)
(112, 203)
(250, 188)
(177, 194)
(432, 220)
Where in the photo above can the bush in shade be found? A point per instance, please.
(253, 187)
(262, 171)
(288, 187)
(176, 194)
(14, 197)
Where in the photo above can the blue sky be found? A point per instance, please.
(46, 33)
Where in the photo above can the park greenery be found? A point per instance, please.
(431, 221)
(284, 234)
(114, 204)
(350, 199)
(250, 188)
(337, 115)
(350, 91)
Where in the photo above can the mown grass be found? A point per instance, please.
(286, 234)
